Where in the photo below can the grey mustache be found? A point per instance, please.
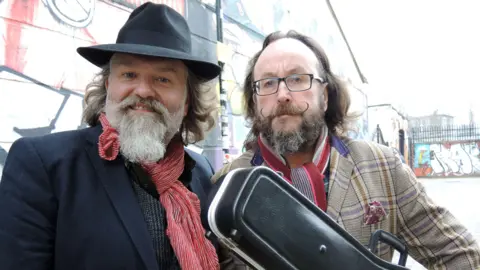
(286, 110)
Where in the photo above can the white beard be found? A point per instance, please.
(143, 137)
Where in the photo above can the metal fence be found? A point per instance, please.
(445, 133)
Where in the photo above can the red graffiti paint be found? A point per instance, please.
(19, 12)
(90, 36)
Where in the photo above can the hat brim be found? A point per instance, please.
(100, 55)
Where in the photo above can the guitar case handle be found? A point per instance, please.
(393, 241)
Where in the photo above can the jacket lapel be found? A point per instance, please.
(115, 179)
(341, 168)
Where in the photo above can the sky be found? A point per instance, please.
(420, 55)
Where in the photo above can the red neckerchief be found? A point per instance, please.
(315, 170)
(182, 207)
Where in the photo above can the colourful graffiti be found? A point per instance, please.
(448, 159)
(42, 79)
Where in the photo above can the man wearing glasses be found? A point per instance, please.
(298, 111)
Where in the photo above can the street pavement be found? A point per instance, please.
(460, 196)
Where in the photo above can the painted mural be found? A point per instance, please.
(448, 159)
(42, 78)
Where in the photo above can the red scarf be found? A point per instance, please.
(184, 227)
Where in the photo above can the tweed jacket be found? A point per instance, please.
(363, 172)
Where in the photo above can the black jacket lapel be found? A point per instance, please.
(115, 179)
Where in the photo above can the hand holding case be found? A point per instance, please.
(269, 224)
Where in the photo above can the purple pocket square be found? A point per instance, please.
(374, 213)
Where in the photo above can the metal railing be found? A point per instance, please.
(445, 133)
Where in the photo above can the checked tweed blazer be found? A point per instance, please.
(362, 172)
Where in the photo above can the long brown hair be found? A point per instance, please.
(336, 117)
(202, 105)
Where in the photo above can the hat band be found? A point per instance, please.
(154, 38)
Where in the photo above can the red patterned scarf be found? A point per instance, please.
(184, 227)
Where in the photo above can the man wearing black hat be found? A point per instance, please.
(124, 193)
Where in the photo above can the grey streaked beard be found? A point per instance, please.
(294, 141)
(142, 139)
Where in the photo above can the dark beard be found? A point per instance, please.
(300, 140)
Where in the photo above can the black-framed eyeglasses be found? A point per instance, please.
(294, 83)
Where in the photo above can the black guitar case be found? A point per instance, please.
(269, 224)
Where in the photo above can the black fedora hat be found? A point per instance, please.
(153, 30)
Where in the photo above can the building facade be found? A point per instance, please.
(389, 126)
(43, 79)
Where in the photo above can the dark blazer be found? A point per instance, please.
(63, 207)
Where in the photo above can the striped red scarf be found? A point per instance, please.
(184, 227)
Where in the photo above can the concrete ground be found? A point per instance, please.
(461, 196)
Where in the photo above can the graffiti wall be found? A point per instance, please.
(449, 159)
(42, 78)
